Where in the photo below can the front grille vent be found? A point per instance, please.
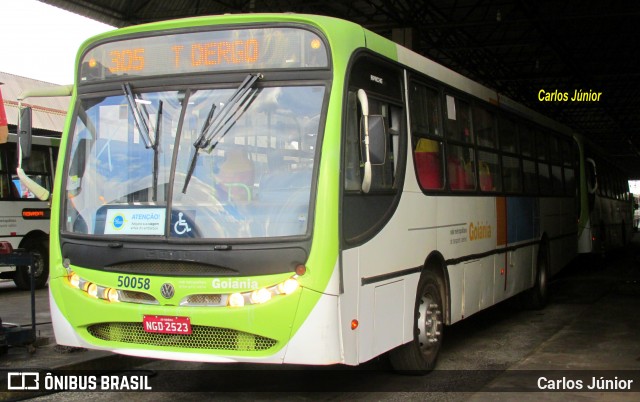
(202, 337)
(131, 296)
(205, 300)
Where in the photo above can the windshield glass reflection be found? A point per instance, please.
(255, 183)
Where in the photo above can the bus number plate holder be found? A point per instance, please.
(161, 324)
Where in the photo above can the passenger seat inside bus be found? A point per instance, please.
(428, 166)
(456, 172)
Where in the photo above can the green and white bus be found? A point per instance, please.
(607, 206)
(283, 188)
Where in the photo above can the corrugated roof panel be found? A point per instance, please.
(48, 113)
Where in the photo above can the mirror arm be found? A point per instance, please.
(364, 102)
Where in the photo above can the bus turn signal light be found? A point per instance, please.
(301, 270)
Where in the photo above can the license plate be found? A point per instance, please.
(166, 324)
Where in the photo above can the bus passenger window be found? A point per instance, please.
(511, 174)
(508, 135)
(429, 163)
(38, 169)
(569, 181)
(458, 122)
(556, 179)
(542, 145)
(426, 134)
(488, 171)
(425, 111)
(545, 178)
(530, 177)
(484, 124)
(461, 168)
(526, 141)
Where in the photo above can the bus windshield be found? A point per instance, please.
(256, 182)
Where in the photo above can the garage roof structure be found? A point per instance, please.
(517, 47)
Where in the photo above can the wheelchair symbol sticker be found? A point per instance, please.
(181, 226)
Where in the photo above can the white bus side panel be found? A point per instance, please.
(13, 227)
(558, 220)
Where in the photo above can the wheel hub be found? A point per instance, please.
(429, 324)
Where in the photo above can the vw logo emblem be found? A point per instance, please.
(167, 291)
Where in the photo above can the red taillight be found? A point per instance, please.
(5, 247)
(354, 324)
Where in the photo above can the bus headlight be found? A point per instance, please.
(263, 295)
(236, 300)
(92, 290)
(289, 286)
(111, 294)
(74, 280)
(260, 296)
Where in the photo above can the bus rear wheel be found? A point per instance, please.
(22, 277)
(419, 356)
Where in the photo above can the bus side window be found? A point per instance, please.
(428, 157)
(383, 175)
(484, 125)
(458, 122)
(461, 167)
(38, 169)
(426, 133)
(489, 171)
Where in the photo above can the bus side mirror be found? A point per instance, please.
(373, 137)
(24, 134)
(377, 140)
(24, 152)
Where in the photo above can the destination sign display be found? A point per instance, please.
(208, 51)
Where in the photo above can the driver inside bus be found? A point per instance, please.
(236, 175)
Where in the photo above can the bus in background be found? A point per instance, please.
(636, 211)
(4, 124)
(606, 204)
(25, 219)
(285, 188)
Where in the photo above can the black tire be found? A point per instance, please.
(537, 297)
(419, 356)
(40, 263)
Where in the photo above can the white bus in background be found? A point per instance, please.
(24, 219)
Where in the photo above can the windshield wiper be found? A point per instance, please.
(222, 122)
(140, 122)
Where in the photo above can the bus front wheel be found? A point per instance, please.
(22, 277)
(419, 356)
